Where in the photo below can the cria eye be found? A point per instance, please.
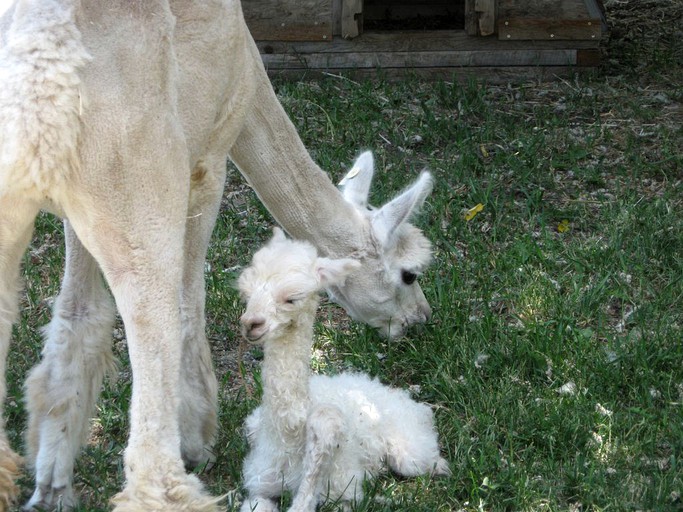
(408, 277)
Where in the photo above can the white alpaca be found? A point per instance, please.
(318, 436)
(119, 116)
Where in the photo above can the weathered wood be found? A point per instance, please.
(486, 10)
(424, 41)
(424, 51)
(286, 20)
(588, 57)
(415, 60)
(493, 75)
(471, 18)
(351, 19)
(548, 20)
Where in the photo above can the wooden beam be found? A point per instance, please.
(486, 11)
(493, 75)
(303, 20)
(548, 20)
(351, 20)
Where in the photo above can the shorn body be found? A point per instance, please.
(119, 116)
(318, 436)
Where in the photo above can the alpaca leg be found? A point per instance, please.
(143, 264)
(199, 388)
(259, 504)
(261, 479)
(324, 433)
(63, 389)
(131, 217)
(414, 445)
(16, 223)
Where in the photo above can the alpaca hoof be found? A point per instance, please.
(202, 464)
(175, 493)
(259, 505)
(442, 468)
(9, 472)
(47, 498)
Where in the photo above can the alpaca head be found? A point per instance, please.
(384, 292)
(281, 286)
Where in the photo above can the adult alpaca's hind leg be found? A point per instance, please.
(16, 225)
(62, 390)
(199, 389)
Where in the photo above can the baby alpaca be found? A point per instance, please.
(318, 436)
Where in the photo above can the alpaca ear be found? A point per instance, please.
(334, 272)
(402, 208)
(278, 235)
(356, 184)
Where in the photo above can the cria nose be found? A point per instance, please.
(253, 326)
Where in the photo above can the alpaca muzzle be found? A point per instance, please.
(253, 327)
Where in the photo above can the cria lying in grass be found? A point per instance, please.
(318, 436)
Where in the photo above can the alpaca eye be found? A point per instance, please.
(408, 277)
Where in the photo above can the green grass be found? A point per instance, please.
(522, 311)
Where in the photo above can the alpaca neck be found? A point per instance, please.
(300, 196)
(285, 373)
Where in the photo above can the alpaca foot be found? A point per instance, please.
(9, 472)
(174, 493)
(203, 461)
(442, 468)
(259, 505)
(46, 497)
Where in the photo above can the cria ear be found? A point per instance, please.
(400, 209)
(334, 272)
(356, 184)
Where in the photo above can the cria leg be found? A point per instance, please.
(413, 446)
(262, 480)
(63, 389)
(199, 388)
(16, 224)
(324, 433)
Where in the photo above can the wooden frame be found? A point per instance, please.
(501, 39)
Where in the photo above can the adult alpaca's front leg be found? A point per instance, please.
(62, 390)
(143, 266)
(16, 221)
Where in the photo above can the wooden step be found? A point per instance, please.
(439, 53)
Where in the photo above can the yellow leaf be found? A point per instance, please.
(563, 226)
(484, 153)
(350, 175)
(472, 212)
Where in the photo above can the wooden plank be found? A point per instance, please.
(588, 57)
(414, 60)
(493, 75)
(285, 20)
(422, 52)
(435, 41)
(471, 18)
(351, 20)
(547, 20)
(486, 10)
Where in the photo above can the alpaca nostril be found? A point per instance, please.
(425, 312)
(251, 325)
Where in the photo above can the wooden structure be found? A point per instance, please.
(494, 39)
